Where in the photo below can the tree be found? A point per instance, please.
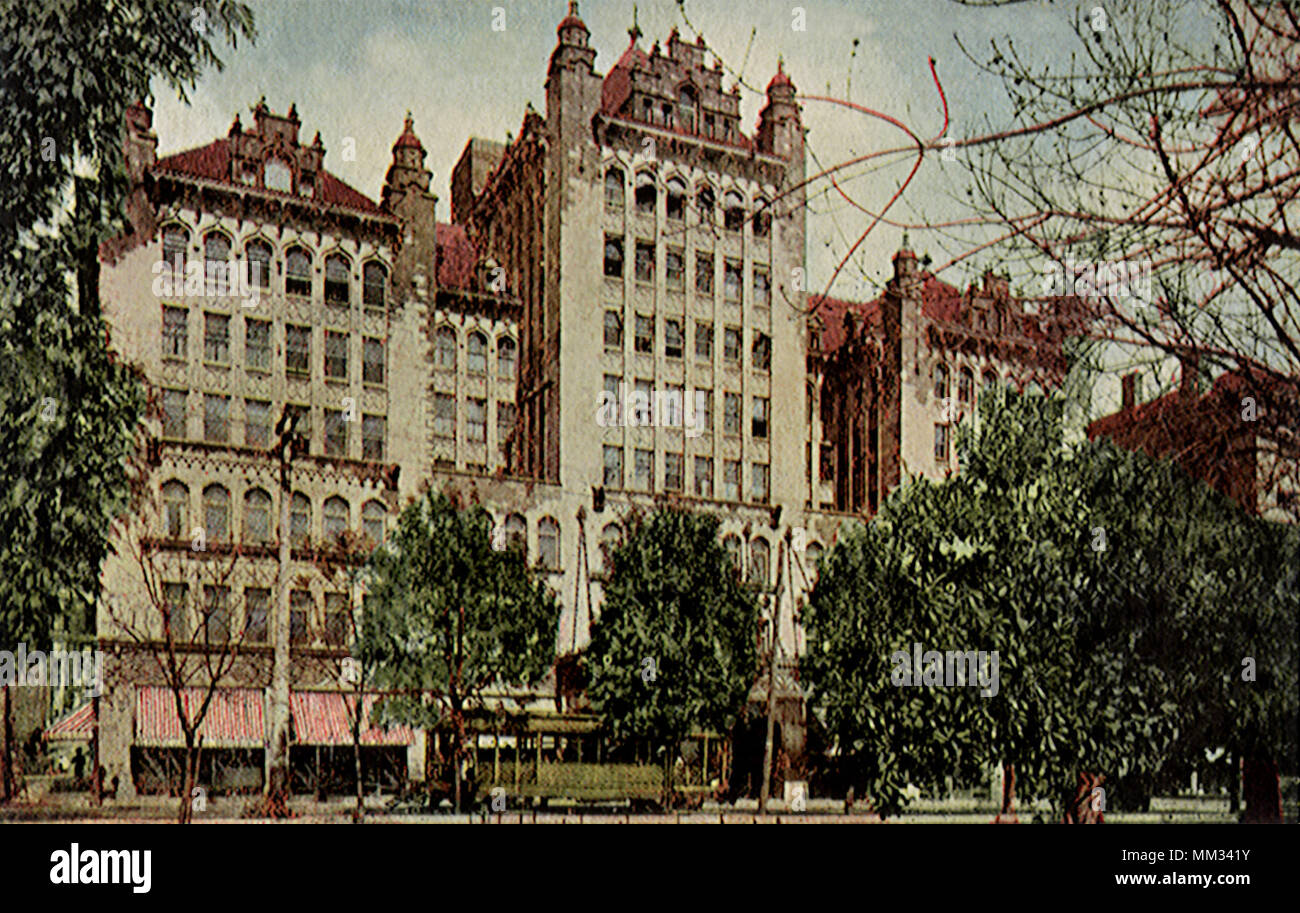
(68, 412)
(446, 617)
(1113, 588)
(673, 649)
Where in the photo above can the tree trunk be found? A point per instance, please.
(1234, 791)
(1007, 815)
(188, 778)
(1261, 791)
(360, 812)
(8, 788)
(1086, 806)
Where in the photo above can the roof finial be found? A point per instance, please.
(573, 7)
(635, 30)
(905, 247)
(410, 122)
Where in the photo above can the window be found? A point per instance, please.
(257, 516)
(373, 436)
(704, 405)
(506, 357)
(614, 190)
(257, 345)
(731, 480)
(731, 413)
(703, 340)
(258, 254)
(372, 521)
(276, 175)
(645, 261)
(762, 352)
(337, 270)
(760, 489)
(516, 532)
(642, 405)
(686, 109)
(732, 544)
(216, 263)
(176, 510)
(643, 470)
(674, 471)
(827, 460)
(297, 349)
(444, 415)
(733, 216)
(476, 421)
(176, 242)
(302, 414)
(372, 360)
(300, 608)
(297, 272)
(299, 520)
(175, 333)
(613, 476)
(645, 194)
(216, 513)
(174, 414)
(814, 552)
(216, 614)
(733, 279)
(758, 424)
(990, 380)
(759, 563)
(337, 619)
(645, 334)
(216, 338)
(675, 269)
(674, 341)
(941, 381)
(966, 385)
(704, 476)
(704, 274)
(762, 287)
(257, 604)
(444, 349)
(336, 355)
(613, 330)
(731, 344)
(505, 422)
(334, 518)
(613, 385)
(704, 201)
(176, 597)
(762, 218)
(476, 358)
(676, 205)
(216, 418)
(614, 256)
(941, 443)
(374, 284)
(257, 423)
(611, 537)
(548, 544)
(336, 433)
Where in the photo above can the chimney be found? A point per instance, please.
(1128, 384)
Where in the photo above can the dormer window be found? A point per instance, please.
(277, 175)
(686, 109)
(307, 186)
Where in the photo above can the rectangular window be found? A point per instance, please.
(673, 338)
(731, 344)
(731, 480)
(176, 597)
(941, 442)
(704, 274)
(216, 418)
(613, 477)
(216, 338)
(614, 256)
(257, 603)
(257, 345)
(758, 425)
(373, 435)
(827, 461)
(336, 433)
(444, 415)
(642, 404)
(372, 363)
(731, 413)
(304, 420)
(645, 261)
(300, 608)
(643, 470)
(675, 269)
(671, 406)
(505, 422)
(175, 333)
(762, 352)
(703, 402)
(703, 340)
(216, 613)
(257, 423)
(476, 421)
(645, 334)
(759, 490)
(336, 355)
(613, 330)
(762, 287)
(297, 350)
(674, 470)
(733, 279)
(704, 477)
(612, 384)
(174, 414)
(336, 619)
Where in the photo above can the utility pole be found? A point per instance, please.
(277, 757)
(774, 634)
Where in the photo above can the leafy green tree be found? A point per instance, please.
(446, 617)
(69, 414)
(674, 646)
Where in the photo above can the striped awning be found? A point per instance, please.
(234, 718)
(325, 718)
(78, 725)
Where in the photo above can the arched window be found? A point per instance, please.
(506, 357)
(941, 388)
(686, 109)
(257, 516)
(759, 553)
(614, 190)
(676, 205)
(814, 553)
(259, 263)
(732, 545)
(337, 275)
(216, 259)
(990, 379)
(297, 272)
(733, 216)
(704, 202)
(444, 349)
(762, 218)
(176, 509)
(476, 359)
(965, 385)
(611, 537)
(374, 284)
(335, 518)
(277, 175)
(373, 519)
(646, 193)
(516, 532)
(216, 513)
(176, 242)
(548, 544)
(299, 520)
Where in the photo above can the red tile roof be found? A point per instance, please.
(457, 258)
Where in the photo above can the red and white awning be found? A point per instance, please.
(234, 718)
(325, 718)
(79, 725)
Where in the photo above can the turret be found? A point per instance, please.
(406, 195)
